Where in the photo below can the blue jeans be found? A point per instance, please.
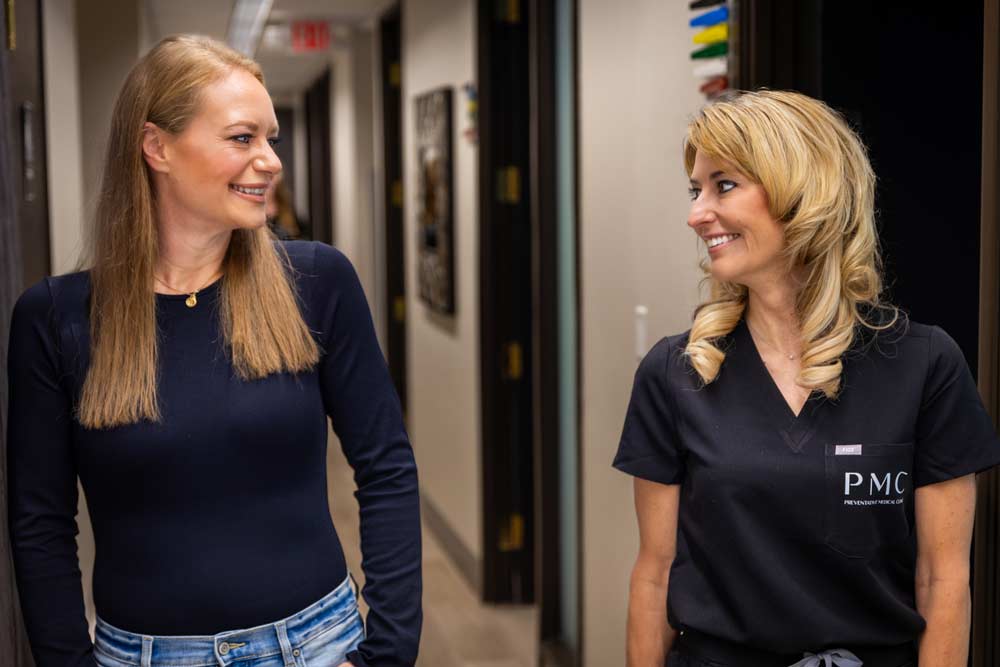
(318, 636)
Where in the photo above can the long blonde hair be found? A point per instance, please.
(820, 185)
(263, 327)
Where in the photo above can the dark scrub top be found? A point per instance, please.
(797, 533)
(217, 518)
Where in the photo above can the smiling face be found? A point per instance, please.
(730, 214)
(214, 174)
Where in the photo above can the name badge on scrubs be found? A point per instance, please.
(847, 450)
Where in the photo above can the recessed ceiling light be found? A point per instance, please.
(277, 37)
(246, 24)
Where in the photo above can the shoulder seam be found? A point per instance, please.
(675, 415)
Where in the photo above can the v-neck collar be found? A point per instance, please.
(795, 430)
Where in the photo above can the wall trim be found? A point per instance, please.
(464, 560)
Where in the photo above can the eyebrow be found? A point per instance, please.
(714, 175)
(249, 124)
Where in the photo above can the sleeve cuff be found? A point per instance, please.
(944, 475)
(651, 469)
(354, 657)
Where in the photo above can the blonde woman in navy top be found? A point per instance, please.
(188, 378)
(804, 456)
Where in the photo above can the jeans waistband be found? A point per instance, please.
(730, 654)
(277, 638)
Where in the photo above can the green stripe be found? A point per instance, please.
(711, 51)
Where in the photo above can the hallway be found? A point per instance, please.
(508, 181)
(459, 630)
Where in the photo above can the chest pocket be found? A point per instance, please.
(869, 496)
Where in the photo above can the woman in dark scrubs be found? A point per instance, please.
(805, 455)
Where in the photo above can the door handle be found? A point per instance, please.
(11, 25)
(28, 173)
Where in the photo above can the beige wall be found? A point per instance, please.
(636, 91)
(62, 131)
(352, 118)
(443, 352)
(108, 37)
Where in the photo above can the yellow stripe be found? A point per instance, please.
(717, 33)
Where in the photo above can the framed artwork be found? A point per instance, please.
(435, 205)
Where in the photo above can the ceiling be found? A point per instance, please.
(286, 73)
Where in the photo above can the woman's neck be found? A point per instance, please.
(771, 312)
(188, 259)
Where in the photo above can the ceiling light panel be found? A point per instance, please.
(246, 24)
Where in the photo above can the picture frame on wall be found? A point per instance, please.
(435, 200)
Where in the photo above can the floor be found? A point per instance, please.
(458, 631)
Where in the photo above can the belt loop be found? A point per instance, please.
(286, 646)
(147, 652)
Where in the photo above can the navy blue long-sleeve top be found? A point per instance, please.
(215, 518)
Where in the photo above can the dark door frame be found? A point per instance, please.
(546, 168)
(986, 556)
(394, 239)
(317, 107)
(506, 346)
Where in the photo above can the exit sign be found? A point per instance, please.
(310, 36)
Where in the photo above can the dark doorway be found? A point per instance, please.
(286, 148)
(395, 258)
(505, 274)
(20, 82)
(24, 110)
(317, 107)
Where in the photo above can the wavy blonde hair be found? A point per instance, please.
(820, 185)
(262, 325)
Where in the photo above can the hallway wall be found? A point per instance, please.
(444, 417)
(62, 133)
(109, 35)
(635, 248)
(352, 115)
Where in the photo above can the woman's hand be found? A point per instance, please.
(944, 517)
(649, 636)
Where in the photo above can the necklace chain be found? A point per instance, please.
(790, 357)
(192, 299)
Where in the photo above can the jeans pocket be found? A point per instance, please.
(330, 647)
(104, 660)
(868, 496)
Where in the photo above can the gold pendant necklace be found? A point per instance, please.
(791, 357)
(192, 299)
